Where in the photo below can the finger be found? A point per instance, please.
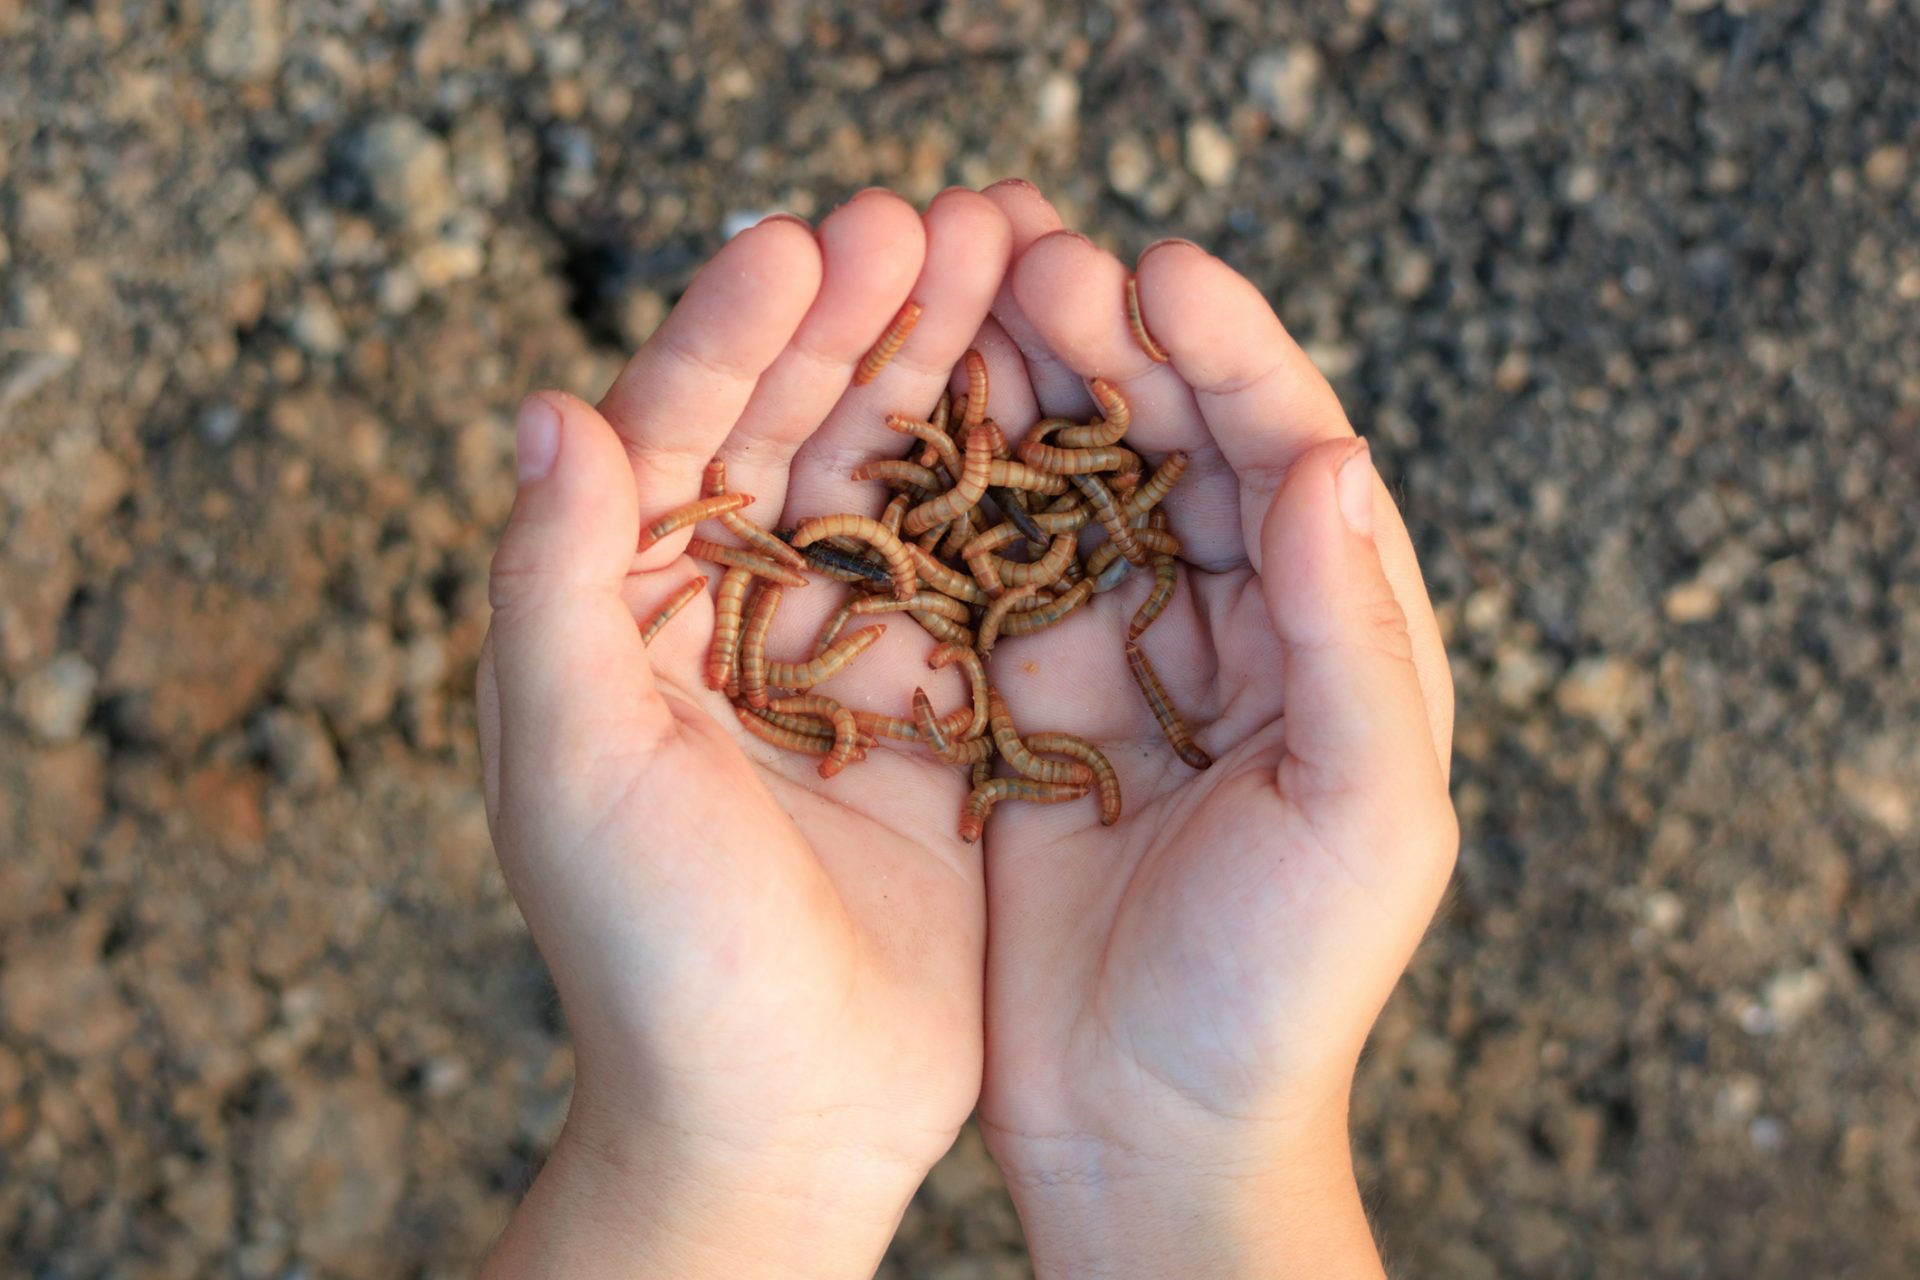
(1266, 404)
(1360, 756)
(967, 248)
(1031, 216)
(1074, 292)
(872, 249)
(681, 393)
(572, 680)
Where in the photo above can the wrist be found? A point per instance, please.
(1192, 1203)
(621, 1196)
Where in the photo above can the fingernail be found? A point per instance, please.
(536, 437)
(784, 216)
(1167, 240)
(1353, 487)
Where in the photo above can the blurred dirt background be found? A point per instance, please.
(1626, 294)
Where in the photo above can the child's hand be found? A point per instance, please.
(773, 983)
(1176, 1004)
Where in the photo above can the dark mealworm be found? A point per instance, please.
(1163, 709)
(1155, 352)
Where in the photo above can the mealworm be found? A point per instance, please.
(1046, 569)
(839, 565)
(946, 655)
(945, 580)
(1108, 782)
(1077, 462)
(888, 346)
(1064, 517)
(805, 675)
(966, 492)
(1003, 473)
(690, 514)
(973, 819)
(978, 553)
(1101, 432)
(895, 512)
(1013, 503)
(1029, 621)
(1007, 742)
(1165, 579)
(727, 607)
(802, 741)
(963, 527)
(996, 617)
(761, 540)
(753, 645)
(936, 438)
(1163, 709)
(930, 601)
(1158, 486)
(936, 732)
(976, 390)
(752, 561)
(1110, 517)
(898, 473)
(846, 734)
(675, 603)
(881, 725)
(835, 623)
(981, 773)
(1104, 564)
(875, 535)
(713, 481)
(1138, 323)
(941, 628)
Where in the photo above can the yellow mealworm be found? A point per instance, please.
(690, 514)
(810, 744)
(1007, 742)
(895, 512)
(978, 553)
(727, 608)
(761, 540)
(899, 474)
(1163, 709)
(805, 675)
(1046, 569)
(880, 725)
(846, 734)
(1138, 323)
(753, 645)
(945, 655)
(752, 561)
(1077, 462)
(981, 773)
(1029, 621)
(1108, 782)
(936, 437)
(929, 601)
(874, 534)
(965, 494)
(976, 390)
(963, 527)
(1110, 517)
(973, 819)
(941, 628)
(674, 604)
(888, 346)
(835, 623)
(713, 481)
(1165, 580)
(937, 732)
(996, 616)
(1158, 485)
(947, 581)
(1101, 432)
(1005, 474)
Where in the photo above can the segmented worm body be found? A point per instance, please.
(1105, 779)
(945, 655)
(1165, 580)
(936, 437)
(1158, 485)
(1005, 473)
(973, 819)
(966, 492)
(1077, 462)
(1138, 323)
(1015, 752)
(691, 514)
(929, 601)
(753, 645)
(1163, 709)
(674, 603)
(996, 616)
(846, 734)
(805, 675)
(752, 561)
(894, 337)
(727, 607)
(1028, 621)
(1111, 518)
(874, 534)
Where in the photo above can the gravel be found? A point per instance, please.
(1624, 295)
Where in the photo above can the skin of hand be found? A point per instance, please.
(1176, 1004)
(773, 982)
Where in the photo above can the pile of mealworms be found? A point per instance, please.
(978, 542)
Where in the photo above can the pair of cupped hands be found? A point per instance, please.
(786, 995)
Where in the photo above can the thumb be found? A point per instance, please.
(1359, 749)
(572, 676)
